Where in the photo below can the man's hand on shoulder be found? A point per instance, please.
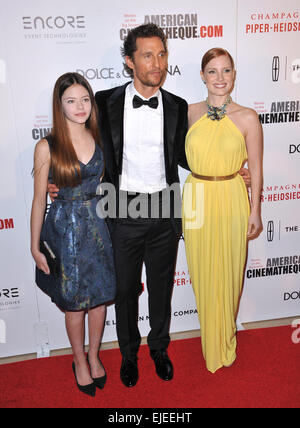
(245, 174)
(53, 191)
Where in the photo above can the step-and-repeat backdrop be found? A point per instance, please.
(41, 40)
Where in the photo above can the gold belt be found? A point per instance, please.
(212, 178)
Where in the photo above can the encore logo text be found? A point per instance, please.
(53, 22)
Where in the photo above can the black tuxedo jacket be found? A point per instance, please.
(111, 122)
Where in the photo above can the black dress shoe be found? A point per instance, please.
(129, 372)
(86, 389)
(98, 381)
(163, 365)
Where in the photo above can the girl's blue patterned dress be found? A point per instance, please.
(80, 239)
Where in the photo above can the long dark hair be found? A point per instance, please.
(64, 162)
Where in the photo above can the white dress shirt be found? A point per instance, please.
(143, 153)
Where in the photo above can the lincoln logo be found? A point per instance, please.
(275, 69)
(270, 231)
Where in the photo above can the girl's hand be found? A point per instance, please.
(254, 226)
(41, 262)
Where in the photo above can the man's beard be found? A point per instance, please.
(146, 81)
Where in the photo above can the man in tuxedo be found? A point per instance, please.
(143, 130)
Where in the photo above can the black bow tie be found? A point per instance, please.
(138, 102)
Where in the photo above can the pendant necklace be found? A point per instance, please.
(217, 113)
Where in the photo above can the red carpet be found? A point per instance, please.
(266, 374)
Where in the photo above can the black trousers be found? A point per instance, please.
(153, 242)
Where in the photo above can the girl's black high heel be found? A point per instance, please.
(99, 381)
(86, 389)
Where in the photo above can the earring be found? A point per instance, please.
(204, 82)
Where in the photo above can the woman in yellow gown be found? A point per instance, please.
(217, 217)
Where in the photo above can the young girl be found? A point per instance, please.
(83, 277)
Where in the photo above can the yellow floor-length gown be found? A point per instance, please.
(215, 221)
